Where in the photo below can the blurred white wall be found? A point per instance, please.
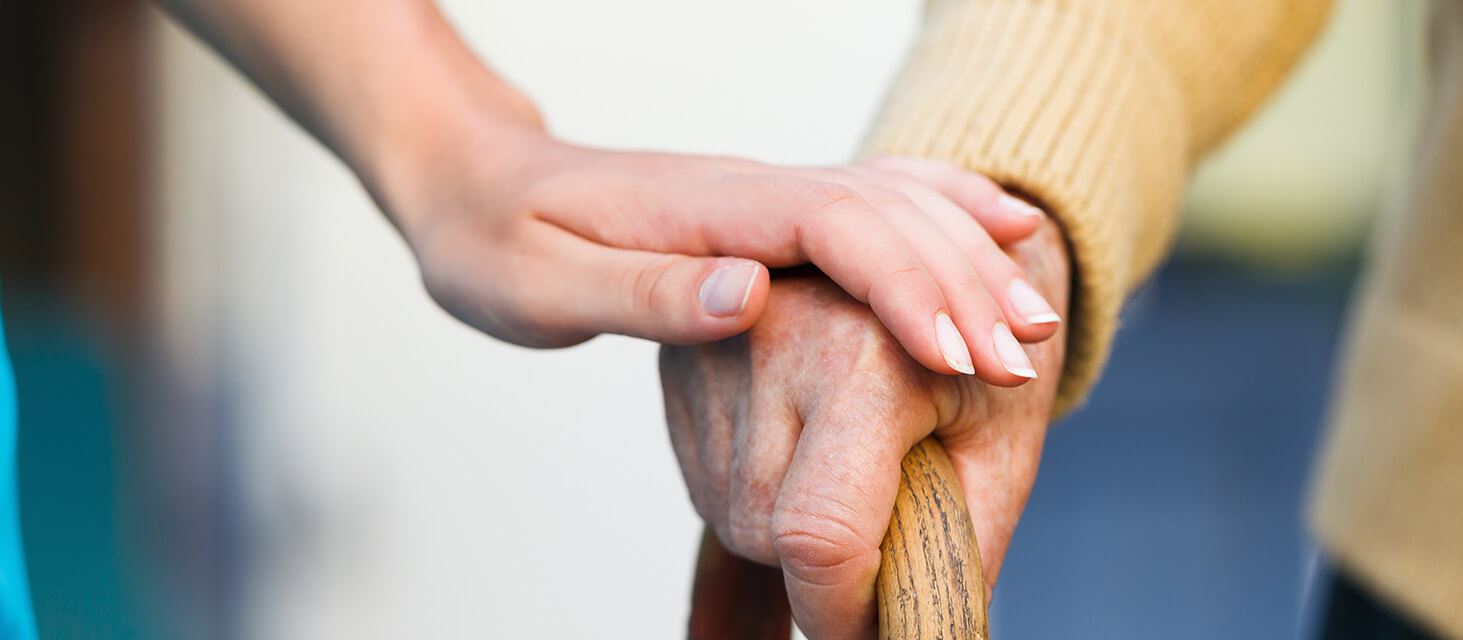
(404, 476)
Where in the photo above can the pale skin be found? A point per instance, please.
(547, 244)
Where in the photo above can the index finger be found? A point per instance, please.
(1005, 217)
(835, 502)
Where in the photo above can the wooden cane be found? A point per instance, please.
(930, 582)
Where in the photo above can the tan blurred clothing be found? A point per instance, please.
(1098, 110)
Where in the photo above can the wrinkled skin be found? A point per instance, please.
(790, 436)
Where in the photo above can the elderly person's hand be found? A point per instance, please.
(790, 438)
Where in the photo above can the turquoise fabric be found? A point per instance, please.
(16, 619)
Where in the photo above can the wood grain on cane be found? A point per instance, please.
(931, 584)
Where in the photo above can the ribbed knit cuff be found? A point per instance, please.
(1065, 107)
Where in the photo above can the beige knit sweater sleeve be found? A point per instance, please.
(1096, 109)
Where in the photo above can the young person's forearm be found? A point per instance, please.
(372, 79)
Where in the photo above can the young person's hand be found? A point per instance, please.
(551, 244)
(546, 244)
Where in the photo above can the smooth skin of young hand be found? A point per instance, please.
(546, 244)
(790, 438)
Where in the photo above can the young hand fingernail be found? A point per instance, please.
(1034, 309)
(1012, 355)
(724, 293)
(952, 344)
(1017, 206)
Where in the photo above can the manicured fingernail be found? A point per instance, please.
(724, 293)
(1032, 307)
(952, 344)
(1012, 355)
(1017, 206)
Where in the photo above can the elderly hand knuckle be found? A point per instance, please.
(819, 549)
(749, 537)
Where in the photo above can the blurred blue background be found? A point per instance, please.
(1171, 505)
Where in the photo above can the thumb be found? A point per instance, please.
(833, 507)
(997, 479)
(669, 298)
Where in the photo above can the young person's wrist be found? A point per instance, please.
(452, 123)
